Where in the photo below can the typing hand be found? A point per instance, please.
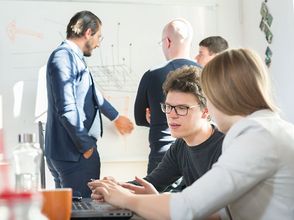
(93, 184)
(111, 179)
(124, 125)
(145, 188)
(107, 190)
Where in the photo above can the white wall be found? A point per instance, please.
(281, 69)
(229, 21)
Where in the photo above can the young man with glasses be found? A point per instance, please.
(198, 144)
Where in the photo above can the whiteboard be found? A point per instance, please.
(31, 30)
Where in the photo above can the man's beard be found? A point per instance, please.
(88, 49)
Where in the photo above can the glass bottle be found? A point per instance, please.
(21, 206)
(27, 158)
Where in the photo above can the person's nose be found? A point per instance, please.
(97, 44)
(196, 57)
(173, 113)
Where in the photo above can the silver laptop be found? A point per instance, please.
(87, 208)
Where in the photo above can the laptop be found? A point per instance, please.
(88, 208)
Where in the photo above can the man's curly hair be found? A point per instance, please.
(186, 80)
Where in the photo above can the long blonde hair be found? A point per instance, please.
(236, 83)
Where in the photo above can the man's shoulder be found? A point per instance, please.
(63, 47)
(161, 70)
(172, 65)
(159, 67)
(182, 62)
(157, 72)
(63, 50)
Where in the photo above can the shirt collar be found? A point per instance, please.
(75, 48)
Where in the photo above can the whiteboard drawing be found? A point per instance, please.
(114, 78)
(116, 75)
(13, 31)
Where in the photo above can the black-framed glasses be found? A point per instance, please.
(181, 110)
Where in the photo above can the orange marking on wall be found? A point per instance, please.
(12, 32)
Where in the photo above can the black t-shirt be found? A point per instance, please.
(189, 162)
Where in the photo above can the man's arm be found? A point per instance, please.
(122, 123)
(141, 102)
(105, 107)
(167, 172)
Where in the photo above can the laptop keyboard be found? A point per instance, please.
(90, 209)
(82, 206)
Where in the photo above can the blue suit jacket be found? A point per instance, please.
(72, 105)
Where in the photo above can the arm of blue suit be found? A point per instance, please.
(122, 123)
(64, 79)
(105, 107)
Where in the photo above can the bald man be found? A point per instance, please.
(176, 42)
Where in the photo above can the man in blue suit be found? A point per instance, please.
(74, 105)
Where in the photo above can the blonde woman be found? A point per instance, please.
(254, 176)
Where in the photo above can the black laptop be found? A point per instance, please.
(90, 209)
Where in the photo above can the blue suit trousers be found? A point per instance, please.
(75, 175)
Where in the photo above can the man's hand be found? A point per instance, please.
(87, 154)
(148, 115)
(109, 191)
(111, 179)
(93, 184)
(145, 188)
(124, 125)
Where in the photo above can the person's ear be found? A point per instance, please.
(205, 113)
(88, 33)
(168, 42)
